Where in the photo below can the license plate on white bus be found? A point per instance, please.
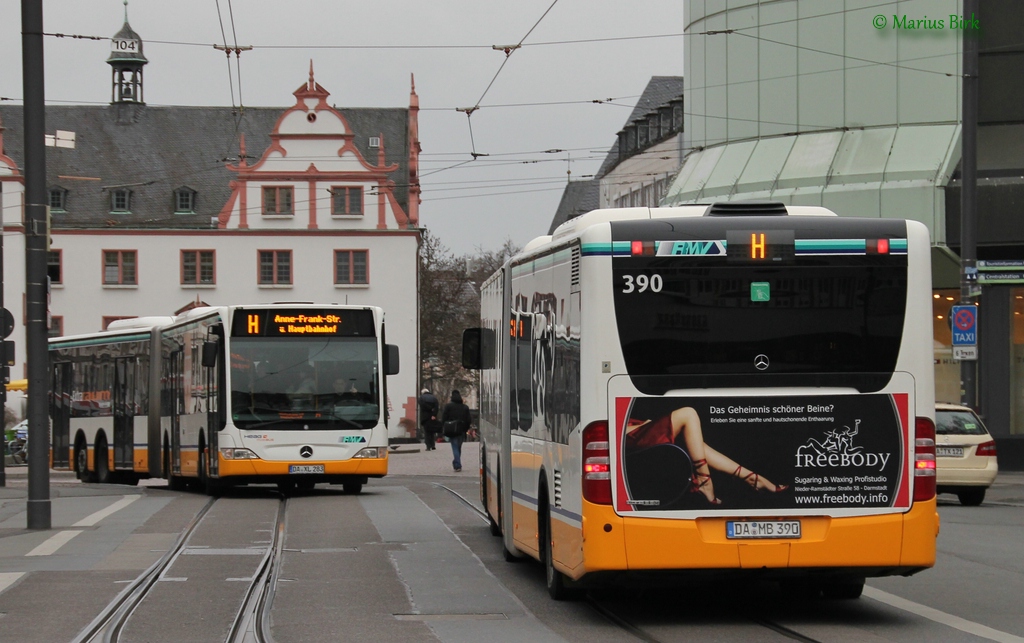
(762, 529)
(305, 468)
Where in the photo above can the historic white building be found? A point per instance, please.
(157, 209)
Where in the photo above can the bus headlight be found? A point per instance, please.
(238, 454)
(372, 452)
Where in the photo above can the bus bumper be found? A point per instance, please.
(891, 544)
(245, 471)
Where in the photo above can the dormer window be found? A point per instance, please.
(120, 200)
(277, 201)
(677, 115)
(184, 201)
(58, 199)
(653, 126)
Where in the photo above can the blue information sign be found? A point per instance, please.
(964, 325)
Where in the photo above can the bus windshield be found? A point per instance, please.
(297, 383)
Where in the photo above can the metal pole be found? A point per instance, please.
(38, 509)
(969, 201)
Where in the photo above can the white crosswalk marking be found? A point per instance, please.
(53, 543)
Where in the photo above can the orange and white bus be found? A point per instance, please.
(720, 388)
(292, 394)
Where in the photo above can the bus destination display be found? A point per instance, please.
(282, 322)
(760, 246)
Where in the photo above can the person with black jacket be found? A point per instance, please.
(456, 413)
(428, 418)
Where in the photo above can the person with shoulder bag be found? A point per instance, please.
(455, 420)
(428, 418)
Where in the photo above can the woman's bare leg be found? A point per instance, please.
(724, 463)
(686, 421)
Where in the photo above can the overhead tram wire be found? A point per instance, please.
(227, 52)
(238, 61)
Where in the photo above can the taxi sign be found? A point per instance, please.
(964, 325)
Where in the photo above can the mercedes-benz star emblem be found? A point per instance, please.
(306, 452)
(761, 362)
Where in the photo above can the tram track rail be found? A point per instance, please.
(251, 623)
(107, 626)
(623, 623)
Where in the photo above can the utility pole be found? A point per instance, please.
(968, 196)
(38, 509)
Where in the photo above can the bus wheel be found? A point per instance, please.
(558, 584)
(102, 465)
(287, 487)
(82, 461)
(845, 589)
(352, 488)
(484, 491)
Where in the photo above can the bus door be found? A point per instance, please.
(124, 413)
(175, 403)
(60, 414)
(211, 390)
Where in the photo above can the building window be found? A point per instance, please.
(58, 199)
(351, 267)
(108, 319)
(197, 267)
(277, 200)
(275, 267)
(56, 328)
(641, 135)
(653, 126)
(665, 115)
(119, 268)
(346, 201)
(53, 267)
(120, 201)
(677, 116)
(185, 201)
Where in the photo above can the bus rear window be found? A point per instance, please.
(822, 315)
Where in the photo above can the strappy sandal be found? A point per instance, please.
(698, 480)
(752, 479)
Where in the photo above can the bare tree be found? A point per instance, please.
(449, 303)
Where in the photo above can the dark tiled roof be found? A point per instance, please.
(578, 198)
(152, 151)
(659, 91)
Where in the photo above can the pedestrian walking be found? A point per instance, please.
(455, 421)
(428, 418)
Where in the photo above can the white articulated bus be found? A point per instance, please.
(293, 394)
(741, 386)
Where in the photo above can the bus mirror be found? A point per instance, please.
(209, 354)
(478, 348)
(390, 359)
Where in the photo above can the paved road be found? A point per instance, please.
(408, 561)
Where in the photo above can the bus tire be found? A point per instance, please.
(352, 488)
(559, 587)
(103, 475)
(509, 556)
(286, 487)
(82, 461)
(492, 524)
(846, 589)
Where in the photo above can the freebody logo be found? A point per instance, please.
(837, 450)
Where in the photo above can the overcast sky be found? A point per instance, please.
(513, 193)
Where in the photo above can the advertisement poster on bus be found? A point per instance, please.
(808, 454)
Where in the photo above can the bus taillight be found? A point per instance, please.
(597, 475)
(924, 460)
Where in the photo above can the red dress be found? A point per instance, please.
(648, 435)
